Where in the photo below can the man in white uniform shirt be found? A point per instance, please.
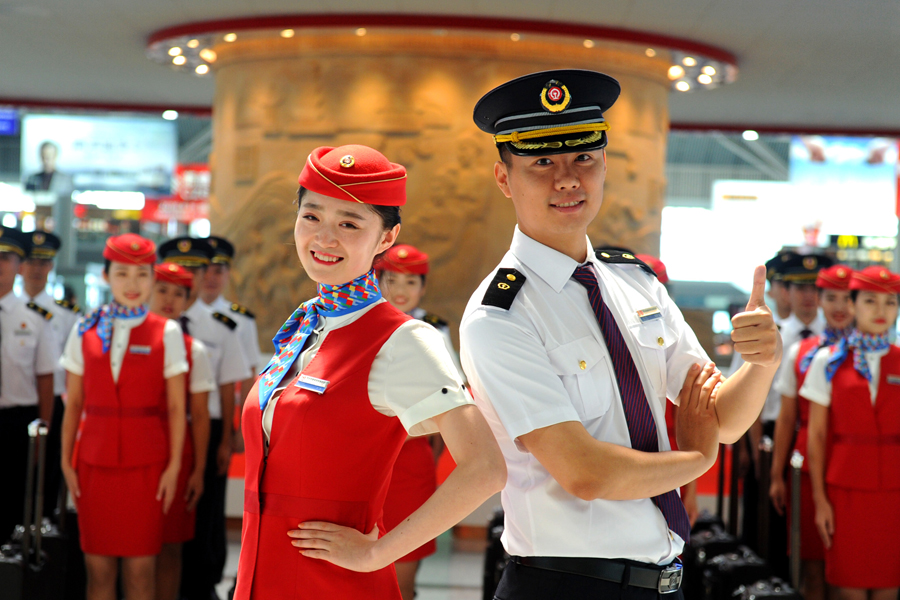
(204, 557)
(28, 354)
(35, 271)
(576, 400)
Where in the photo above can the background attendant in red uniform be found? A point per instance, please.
(126, 387)
(401, 274)
(792, 425)
(854, 393)
(352, 376)
(169, 299)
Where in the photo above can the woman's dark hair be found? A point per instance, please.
(390, 215)
(106, 264)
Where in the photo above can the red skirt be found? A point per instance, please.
(179, 522)
(864, 552)
(118, 513)
(811, 546)
(413, 482)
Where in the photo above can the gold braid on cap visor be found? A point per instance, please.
(517, 139)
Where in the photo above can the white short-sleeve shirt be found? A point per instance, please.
(408, 377)
(174, 361)
(62, 322)
(816, 387)
(201, 371)
(28, 348)
(786, 384)
(545, 361)
(246, 330)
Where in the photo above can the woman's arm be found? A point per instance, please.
(71, 419)
(177, 425)
(818, 430)
(480, 472)
(200, 435)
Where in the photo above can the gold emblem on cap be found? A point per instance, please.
(511, 277)
(582, 365)
(885, 275)
(173, 267)
(213, 243)
(347, 161)
(135, 246)
(810, 262)
(39, 238)
(555, 96)
(402, 253)
(660, 341)
(842, 273)
(184, 245)
(503, 286)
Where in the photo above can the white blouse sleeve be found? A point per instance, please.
(72, 359)
(176, 357)
(413, 377)
(786, 384)
(816, 387)
(201, 369)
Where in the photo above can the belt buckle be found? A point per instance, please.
(670, 578)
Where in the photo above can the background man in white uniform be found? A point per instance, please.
(576, 400)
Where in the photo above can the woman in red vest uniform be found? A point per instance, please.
(351, 377)
(126, 388)
(401, 273)
(854, 393)
(791, 427)
(170, 295)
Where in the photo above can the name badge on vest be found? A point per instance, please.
(649, 314)
(313, 384)
(893, 379)
(139, 349)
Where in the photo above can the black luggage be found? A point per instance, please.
(703, 546)
(765, 589)
(726, 572)
(495, 556)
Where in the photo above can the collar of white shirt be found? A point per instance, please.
(43, 298)
(197, 309)
(554, 267)
(8, 301)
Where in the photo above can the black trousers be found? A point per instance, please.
(203, 558)
(53, 473)
(527, 583)
(13, 465)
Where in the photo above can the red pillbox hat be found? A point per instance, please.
(834, 278)
(174, 274)
(130, 249)
(875, 279)
(355, 173)
(405, 259)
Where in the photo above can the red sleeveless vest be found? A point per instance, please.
(865, 452)
(330, 459)
(802, 438)
(125, 421)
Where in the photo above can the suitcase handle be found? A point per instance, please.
(796, 466)
(765, 464)
(34, 502)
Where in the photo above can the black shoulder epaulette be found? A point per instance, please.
(242, 310)
(435, 320)
(503, 288)
(624, 258)
(228, 321)
(68, 305)
(41, 311)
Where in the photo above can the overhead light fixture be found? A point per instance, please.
(588, 43)
(682, 86)
(689, 61)
(515, 37)
(174, 51)
(750, 135)
(110, 200)
(202, 69)
(704, 79)
(709, 70)
(179, 60)
(650, 52)
(229, 37)
(193, 43)
(676, 72)
(361, 31)
(208, 54)
(287, 33)
(170, 115)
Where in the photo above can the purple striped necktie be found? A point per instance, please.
(641, 425)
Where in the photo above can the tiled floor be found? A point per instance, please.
(446, 575)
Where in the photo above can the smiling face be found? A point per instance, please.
(837, 308)
(804, 301)
(404, 292)
(130, 285)
(556, 196)
(34, 274)
(168, 300)
(337, 240)
(875, 312)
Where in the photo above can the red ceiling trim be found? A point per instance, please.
(103, 106)
(444, 22)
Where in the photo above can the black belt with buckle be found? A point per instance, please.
(664, 579)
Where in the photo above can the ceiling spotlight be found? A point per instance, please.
(682, 86)
(750, 135)
(229, 37)
(709, 70)
(704, 79)
(675, 72)
(179, 60)
(588, 43)
(515, 37)
(689, 61)
(202, 69)
(361, 31)
(170, 115)
(208, 54)
(193, 43)
(650, 52)
(287, 33)
(174, 51)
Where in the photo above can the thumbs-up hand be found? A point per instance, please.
(755, 335)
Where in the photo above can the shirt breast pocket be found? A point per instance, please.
(25, 348)
(584, 369)
(653, 337)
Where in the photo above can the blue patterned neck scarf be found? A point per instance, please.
(860, 343)
(829, 337)
(332, 301)
(104, 316)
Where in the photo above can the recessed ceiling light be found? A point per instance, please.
(750, 135)
(709, 70)
(704, 79)
(208, 54)
(170, 115)
(588, 43)
(202, 69)
(287, 33)
(179, 60)
(193, 43)
(361, 31)
(515, 37)
(650, 52)
(675, 72)
(682, 86)
(174, 51)
(229, 37)
(689, 61)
